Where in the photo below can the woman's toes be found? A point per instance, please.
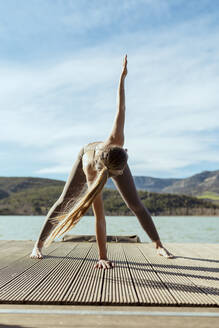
(164, 252)
(36, 254)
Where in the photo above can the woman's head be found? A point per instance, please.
(114, 158)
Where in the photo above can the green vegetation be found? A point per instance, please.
(28, 196)
(32, 196)
(160, 204)
(209, 195)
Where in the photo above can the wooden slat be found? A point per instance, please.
(200, 264)
(88, 286)
(211, 250)
(18, 288)
(150, 288)
(54, 288)
(13, 245)
(11, 251)
(182, 289)
(2, 242)
(118, 287)
(18, 267)
(140, 277)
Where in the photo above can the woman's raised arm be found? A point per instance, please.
(116, 136)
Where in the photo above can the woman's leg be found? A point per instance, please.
(73, 187)
(126, 186)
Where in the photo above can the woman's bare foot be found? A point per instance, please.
(164, 252)
(37, 250)
(36, 253)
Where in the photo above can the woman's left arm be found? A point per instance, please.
(116, 136)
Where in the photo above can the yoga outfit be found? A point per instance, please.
(75, 185)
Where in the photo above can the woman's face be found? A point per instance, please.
(114, 173)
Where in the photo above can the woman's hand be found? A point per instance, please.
(124, 71)
(104, 264)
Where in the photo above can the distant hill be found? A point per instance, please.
(13, 184)
(204, 184)
(148, 183)
(198, 184)
(27, 196)
(34, 196)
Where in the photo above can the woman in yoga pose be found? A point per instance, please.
(97, 162)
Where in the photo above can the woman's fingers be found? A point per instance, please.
(109, 264)
(125, 60)
(103, 264)
(124, 71)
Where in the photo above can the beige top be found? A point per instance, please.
(88, 159)
(90, 152)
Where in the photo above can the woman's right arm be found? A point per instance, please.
(100, 228)
(98, 209)
(116, 136)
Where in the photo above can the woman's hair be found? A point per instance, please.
(114, 158)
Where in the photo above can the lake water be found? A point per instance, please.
(182, 229)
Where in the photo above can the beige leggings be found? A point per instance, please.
(124, 183)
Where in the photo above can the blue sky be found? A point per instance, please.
(60, 63)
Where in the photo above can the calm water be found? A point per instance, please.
(171, 229)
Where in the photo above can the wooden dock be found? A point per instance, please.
(140, 277)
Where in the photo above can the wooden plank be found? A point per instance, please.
(206, 252)
(14, 250)
(149, 287)
(201, 267)
(169, 271)
(2, 242)
(118, 287)
(210, 252)
(17, 289)
(140, 277)
(18, 267)
(116, 317)
(64, 276)
(12, 245)
(88, 286)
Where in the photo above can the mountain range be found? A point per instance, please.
(196, 185)
(35, 196)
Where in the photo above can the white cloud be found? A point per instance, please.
(99, 14)
(54, 169)
(172, 96)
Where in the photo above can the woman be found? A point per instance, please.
(96, 162)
